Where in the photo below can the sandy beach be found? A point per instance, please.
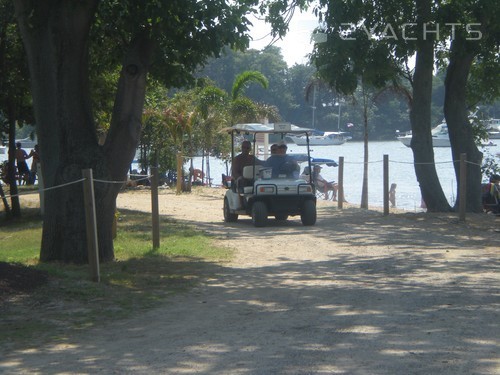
(358, 293)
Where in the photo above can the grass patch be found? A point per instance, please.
(140, 278)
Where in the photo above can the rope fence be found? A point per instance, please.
(89, 199)
(389, 192)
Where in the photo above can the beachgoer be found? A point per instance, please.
(392, 195)
(35, 154)
(22, 167)
(491, 195)
(323, 184)
(197, 176)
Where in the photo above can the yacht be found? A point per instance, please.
(27, 143)
(493, 128)
(325, 139)
(439, 136)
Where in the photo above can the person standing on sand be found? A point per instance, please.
(22, 167)
(35, 154)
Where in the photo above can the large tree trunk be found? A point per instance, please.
(55, 35)
(420, 118)
(457, 119)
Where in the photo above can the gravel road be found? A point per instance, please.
(359, 293)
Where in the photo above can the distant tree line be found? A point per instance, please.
(288, 93)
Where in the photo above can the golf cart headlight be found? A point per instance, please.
(305, 189)
(266, 189)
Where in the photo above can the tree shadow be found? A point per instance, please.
(414, 309)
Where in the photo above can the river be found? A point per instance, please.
(401, 170)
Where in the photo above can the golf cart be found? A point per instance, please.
(258, 194)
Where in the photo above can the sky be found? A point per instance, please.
(295, 45)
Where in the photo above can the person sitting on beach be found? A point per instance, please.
(491, 195)
(323, 184)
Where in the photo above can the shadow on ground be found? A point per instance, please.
(414, 309)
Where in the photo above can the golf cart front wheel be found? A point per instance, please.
(228, 216)
(308, 214)
(259, 214)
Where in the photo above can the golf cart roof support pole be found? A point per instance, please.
(254, 153)
(232, 148)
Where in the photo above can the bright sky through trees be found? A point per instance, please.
(296, 45)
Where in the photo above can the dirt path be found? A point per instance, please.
(359, 293)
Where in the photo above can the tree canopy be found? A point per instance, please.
(67, 41)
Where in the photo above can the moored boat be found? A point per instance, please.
(439, 136)
(326, 139)
(493, 128)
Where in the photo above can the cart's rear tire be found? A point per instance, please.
(228, 216)
(259, 214)
(308, 214)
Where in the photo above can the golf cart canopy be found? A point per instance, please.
(273, 128)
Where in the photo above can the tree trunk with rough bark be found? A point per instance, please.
(55, 36)
(420, 118)
(459, 127)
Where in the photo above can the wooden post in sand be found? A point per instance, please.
(154, 208)
(340, 192)
(91, 224)
(462, 203)
(386, 185)
(178, 186)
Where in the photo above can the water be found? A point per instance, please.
(401, 171)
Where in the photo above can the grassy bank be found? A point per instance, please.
(66, 300)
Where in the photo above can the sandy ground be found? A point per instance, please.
(358, 293)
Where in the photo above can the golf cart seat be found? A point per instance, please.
(249, 176)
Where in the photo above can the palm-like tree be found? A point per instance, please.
(242, 108)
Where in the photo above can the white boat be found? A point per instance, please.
(326, 139)
(439, 136)
(27, 142)
(493, 128)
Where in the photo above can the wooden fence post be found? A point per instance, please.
(91, 224)
(462, 203)
(340, 192)
(154, 208)
(386, 185)
(180, 179)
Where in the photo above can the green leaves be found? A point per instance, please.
(244, 79)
